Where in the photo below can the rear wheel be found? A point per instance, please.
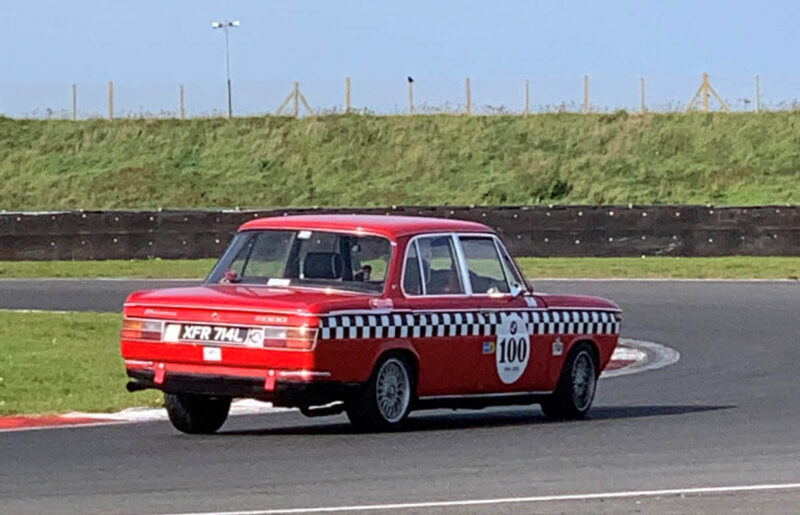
(385, 401)
(196, 414)
(576, 387)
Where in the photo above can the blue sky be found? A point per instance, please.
(45, 45)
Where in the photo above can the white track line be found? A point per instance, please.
(134, 415)
(514, 500)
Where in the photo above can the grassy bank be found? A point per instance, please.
(737, 267)
(366, 161)
(63, 362)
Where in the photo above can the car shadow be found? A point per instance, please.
(421, 421)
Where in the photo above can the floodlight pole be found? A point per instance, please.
(226, 26)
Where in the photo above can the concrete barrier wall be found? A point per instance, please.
(528, 231)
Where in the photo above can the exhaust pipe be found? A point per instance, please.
(333, 408)
(135, 386)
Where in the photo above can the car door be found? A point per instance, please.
(435, 304)
(511, 359)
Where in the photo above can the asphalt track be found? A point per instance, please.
(726, 415)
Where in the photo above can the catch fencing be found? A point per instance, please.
(546, 231)
(403, 96)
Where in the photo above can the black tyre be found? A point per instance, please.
(384, 402)
(576, 387)
(196, 414)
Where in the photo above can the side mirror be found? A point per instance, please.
(517, 290)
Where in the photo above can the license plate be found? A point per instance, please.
(206, 333)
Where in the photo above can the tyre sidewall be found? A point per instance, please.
(196, 414)
(562, 403)
(364, 411)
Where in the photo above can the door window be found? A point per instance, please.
(487, 273)
(436, 267)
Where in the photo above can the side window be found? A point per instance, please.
(412, 282)
(440, 273)
(486, 270)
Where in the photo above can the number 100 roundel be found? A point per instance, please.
(374, 316)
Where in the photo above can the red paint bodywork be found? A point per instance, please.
(447, 366)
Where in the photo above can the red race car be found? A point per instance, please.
(371, 315)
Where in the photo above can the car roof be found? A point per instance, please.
(389, 226)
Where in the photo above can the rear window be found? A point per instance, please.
(305, 258)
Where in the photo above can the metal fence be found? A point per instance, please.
(405, 95)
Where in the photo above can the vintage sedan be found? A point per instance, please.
(375, 316)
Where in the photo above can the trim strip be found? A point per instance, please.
(218, 308)
(303, 374)
(484, 395)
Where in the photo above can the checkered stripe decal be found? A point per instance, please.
(446, 324)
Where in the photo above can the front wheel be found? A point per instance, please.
(384, 402)
(196, 414)
(575, 391)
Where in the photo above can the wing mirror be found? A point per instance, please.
(517, 290)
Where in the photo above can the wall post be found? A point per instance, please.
(469, 98)
(585, 93)
(74, 101)
(347, 95)
(111, 100)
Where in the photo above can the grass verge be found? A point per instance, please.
(735, 267)
(56, 362)
(132, 268)
(353, 160)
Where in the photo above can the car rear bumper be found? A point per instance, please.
(294, 390)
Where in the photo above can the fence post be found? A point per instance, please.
(111, 100)
(705, 92)
(758, 95)
(296, 100)
(347, 95)
(183, 106)
(527, 97)
(410, 95)
(585, 93)
(469, 98)
(644, 101)
(74, 101)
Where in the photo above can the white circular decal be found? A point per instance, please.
(513, 348)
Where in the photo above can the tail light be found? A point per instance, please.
(134, 329)
(298, 338)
